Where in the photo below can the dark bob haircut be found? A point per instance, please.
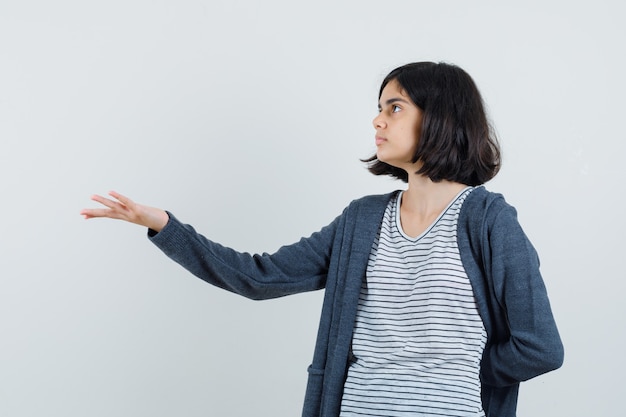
(457, 142)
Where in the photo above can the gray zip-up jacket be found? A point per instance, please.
(502, 265)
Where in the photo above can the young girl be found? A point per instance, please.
(434, 304)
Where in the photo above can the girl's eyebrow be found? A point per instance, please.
(393, 100)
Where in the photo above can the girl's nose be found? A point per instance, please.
(379, 122)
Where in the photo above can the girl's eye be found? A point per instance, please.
(395, 109)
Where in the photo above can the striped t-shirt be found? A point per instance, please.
(418, 338)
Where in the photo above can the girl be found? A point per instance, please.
(434, 304)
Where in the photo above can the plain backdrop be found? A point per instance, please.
(247, 119)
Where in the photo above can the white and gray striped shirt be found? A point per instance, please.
(418, 338)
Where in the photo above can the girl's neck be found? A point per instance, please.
(423, 202)
(424, 197)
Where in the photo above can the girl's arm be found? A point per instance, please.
(298, 267)
(534, 345)
(294, 268)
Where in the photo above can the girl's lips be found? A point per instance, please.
(379, 140)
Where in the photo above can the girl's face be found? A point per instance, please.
(398, 126)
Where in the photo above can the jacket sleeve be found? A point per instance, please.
(531, 345)
(294, 268)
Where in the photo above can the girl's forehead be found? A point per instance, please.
(392, 85)
(393, 88)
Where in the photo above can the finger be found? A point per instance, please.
(105, 201)
(90, 215)
(121, 198)
(93, 213)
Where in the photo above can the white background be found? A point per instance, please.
(247, 119)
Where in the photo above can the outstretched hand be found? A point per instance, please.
(123, 208)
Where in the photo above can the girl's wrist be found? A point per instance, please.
(155, 219)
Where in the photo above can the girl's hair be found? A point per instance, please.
(457, 142)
